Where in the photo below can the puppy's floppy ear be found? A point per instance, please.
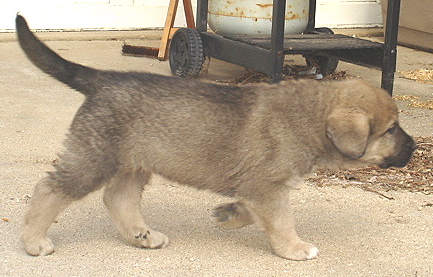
(348, 129)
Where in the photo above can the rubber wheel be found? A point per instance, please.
(326, 65)
(186, 53)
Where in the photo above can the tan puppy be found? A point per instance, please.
(252, 143)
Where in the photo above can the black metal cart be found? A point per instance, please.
(266, 55)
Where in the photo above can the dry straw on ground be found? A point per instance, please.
(419, 75)
(417, 176)
(416, 101)
(290, 72)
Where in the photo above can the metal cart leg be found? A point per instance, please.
(390, 46)
(277, 40)
(202, 9)
(311, 16)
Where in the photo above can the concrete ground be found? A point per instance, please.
(358, 232)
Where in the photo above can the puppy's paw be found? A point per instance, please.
(299, 251)
(149, 239)
(38, 247)
(231, 216)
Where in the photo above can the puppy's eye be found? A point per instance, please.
(392, 129)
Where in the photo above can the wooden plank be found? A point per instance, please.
(169, 22)
(189, 15)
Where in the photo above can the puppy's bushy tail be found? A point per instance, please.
(75, 75)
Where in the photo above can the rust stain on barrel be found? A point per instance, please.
(242, 12)
(265, 5)
(294, 16)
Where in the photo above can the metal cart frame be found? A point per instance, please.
(267, 55)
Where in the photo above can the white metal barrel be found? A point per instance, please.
(254, 17)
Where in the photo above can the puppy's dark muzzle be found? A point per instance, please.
(406, 147)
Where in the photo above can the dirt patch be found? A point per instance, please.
(417, 176)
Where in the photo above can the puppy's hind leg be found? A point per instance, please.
(231, 215)
(46, 203)
(75, 177)
(122, 198)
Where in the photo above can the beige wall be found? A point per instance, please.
(130, 14)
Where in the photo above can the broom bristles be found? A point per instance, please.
(141, 51)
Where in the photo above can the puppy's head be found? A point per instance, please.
(363, 126)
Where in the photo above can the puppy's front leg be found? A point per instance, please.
(271, 210)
